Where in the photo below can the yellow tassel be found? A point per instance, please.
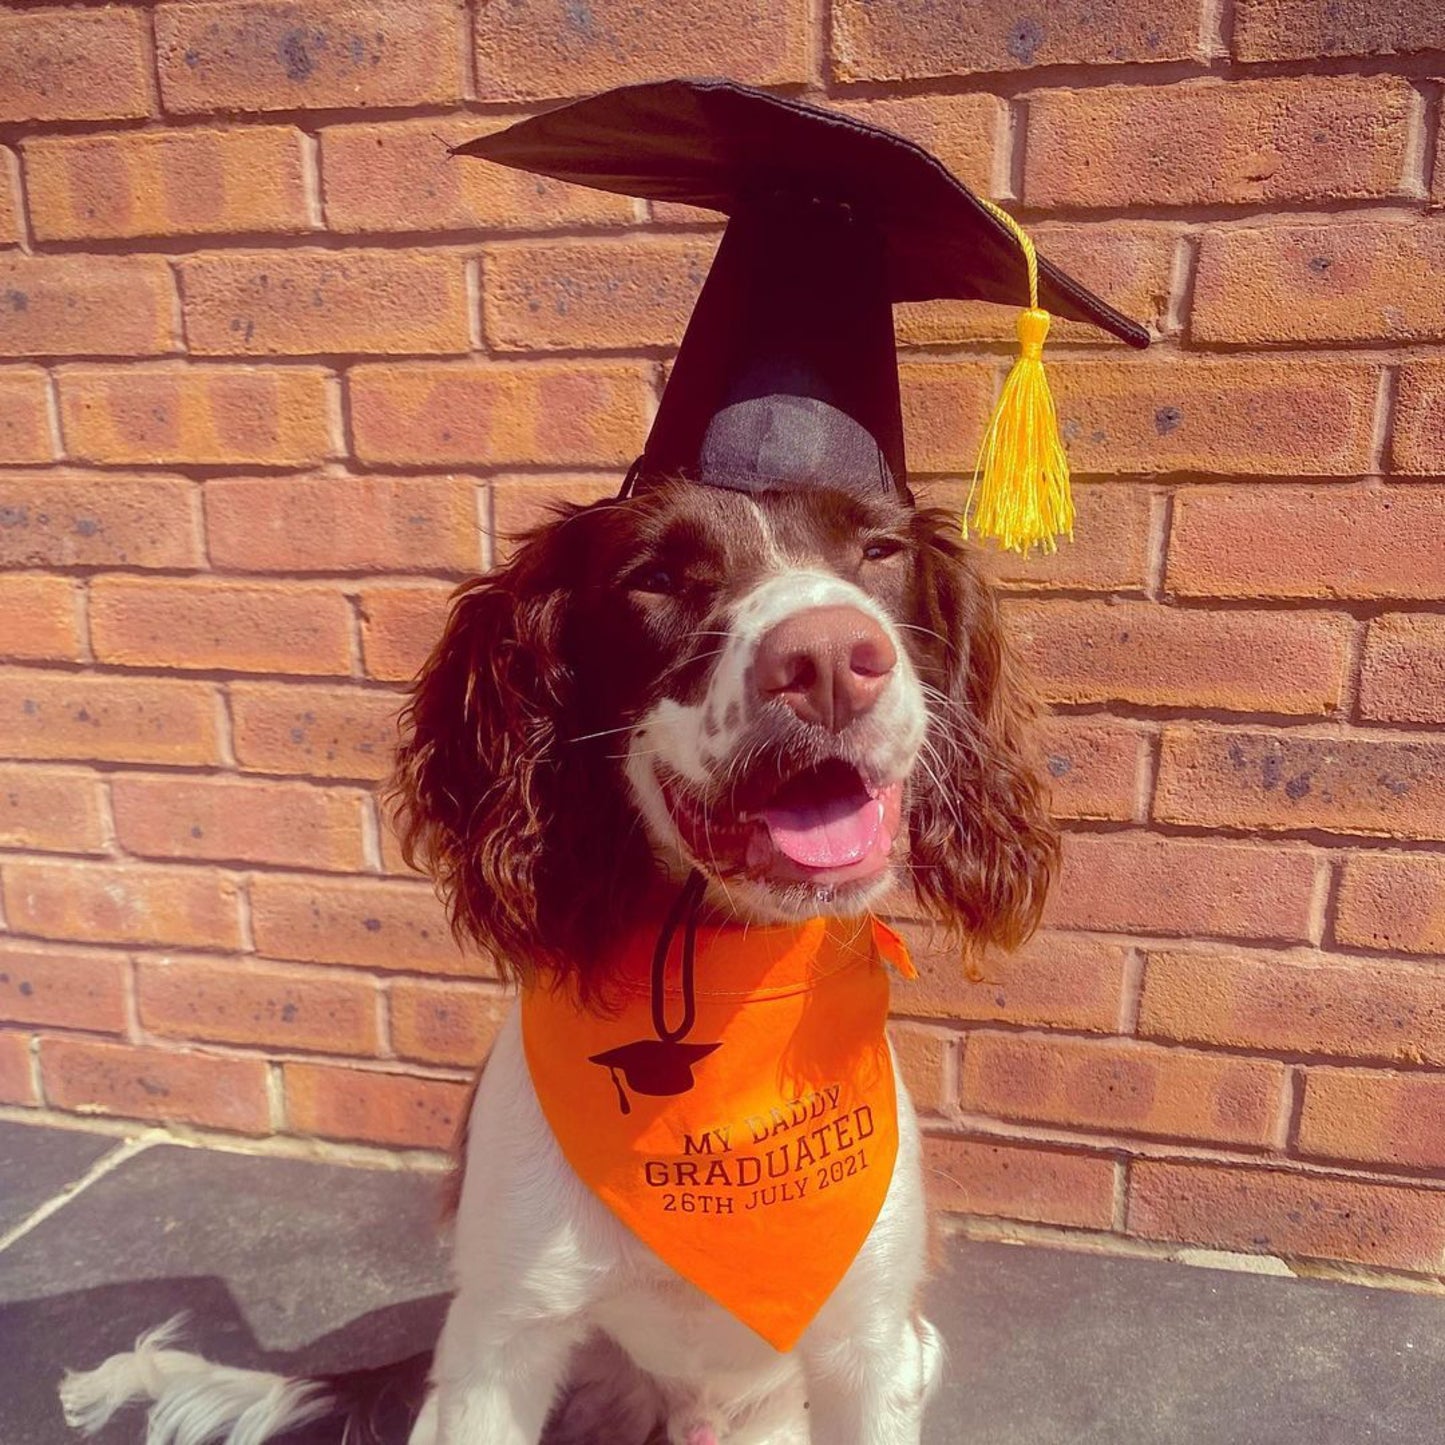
(1020, 494)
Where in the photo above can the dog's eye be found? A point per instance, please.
(658, 580)
(881, 548)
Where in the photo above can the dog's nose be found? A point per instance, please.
(829, 664)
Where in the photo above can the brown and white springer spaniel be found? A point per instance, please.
(806, 697)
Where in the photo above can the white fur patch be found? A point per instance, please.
(193, 1401)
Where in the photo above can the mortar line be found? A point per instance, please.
(1010, 163)
(1415, 164)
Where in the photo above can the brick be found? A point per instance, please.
(1304, 138)
(537, 49)
(25, 429)
(485, 413)
(326, 732)
(1335, 1007)
(1132, 882)
(946, 407)
(86, 306)
(1248, 415)
(445, 1023)
(113, 719)
(1153, 656)
(921, 1054)
(1305, 29)
(257, 1005)
(913, 38)
(400, 176)
(1397, 1120)
(303, 303)
(1130, 264)
(1393, 901)
(1055, 980)
(1359, 542)
(50, 809)
(521, 504)
(344, 524)
(167, 1086)
(391, 925)
(60, 520)
(40, 618)
(1418, 448)
(1403, 677)
(1093, 767)
(17, 1085)
(373, 1108)
(257, 55)
(240, 820)
(73, 988)
(399, 628)
(1122, 1087)
(1292, 781)
(196, 414)
(1042, 1186)
(192, 182)
(1272, 1212)
(604, 294)
(122, 903)
(203, 623)
(12, 230)
(1356, 281)
(73, 64)
(1109, 551)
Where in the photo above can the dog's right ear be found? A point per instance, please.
(475, 786)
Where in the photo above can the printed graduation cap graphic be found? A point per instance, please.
(787, 374)
(663, 1065)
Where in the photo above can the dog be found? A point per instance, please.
(649, 689)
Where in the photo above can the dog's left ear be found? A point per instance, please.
(983, 848)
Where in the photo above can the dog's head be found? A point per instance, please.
(804, 695)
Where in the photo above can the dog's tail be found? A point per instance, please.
(195, 1402)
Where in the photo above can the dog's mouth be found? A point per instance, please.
(825, 824)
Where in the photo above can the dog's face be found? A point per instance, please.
(775, 711)
(802, 694)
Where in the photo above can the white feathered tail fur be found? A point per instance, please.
(193, 1402)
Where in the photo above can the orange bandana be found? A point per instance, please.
(745, 1128)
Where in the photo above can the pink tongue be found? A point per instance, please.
(827, 835)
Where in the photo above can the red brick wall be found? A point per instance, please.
(276, 370)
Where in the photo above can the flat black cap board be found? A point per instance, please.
(787, 374)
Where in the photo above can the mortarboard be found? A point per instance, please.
(653, 1066)
(787, 374)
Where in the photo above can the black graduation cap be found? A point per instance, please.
(653, 1066)
(787, 374)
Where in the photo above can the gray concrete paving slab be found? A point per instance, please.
(1050, 1347)
(37, 1164)
(303, 1266)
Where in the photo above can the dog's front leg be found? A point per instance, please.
(530, 1258)
(495, 1391)
(870, 1362)
(871, 1389)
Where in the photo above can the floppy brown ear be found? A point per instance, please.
(488, 796)
(983, 848)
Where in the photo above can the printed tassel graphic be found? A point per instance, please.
(1020, 495)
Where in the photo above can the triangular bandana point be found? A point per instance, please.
(760, 1182)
